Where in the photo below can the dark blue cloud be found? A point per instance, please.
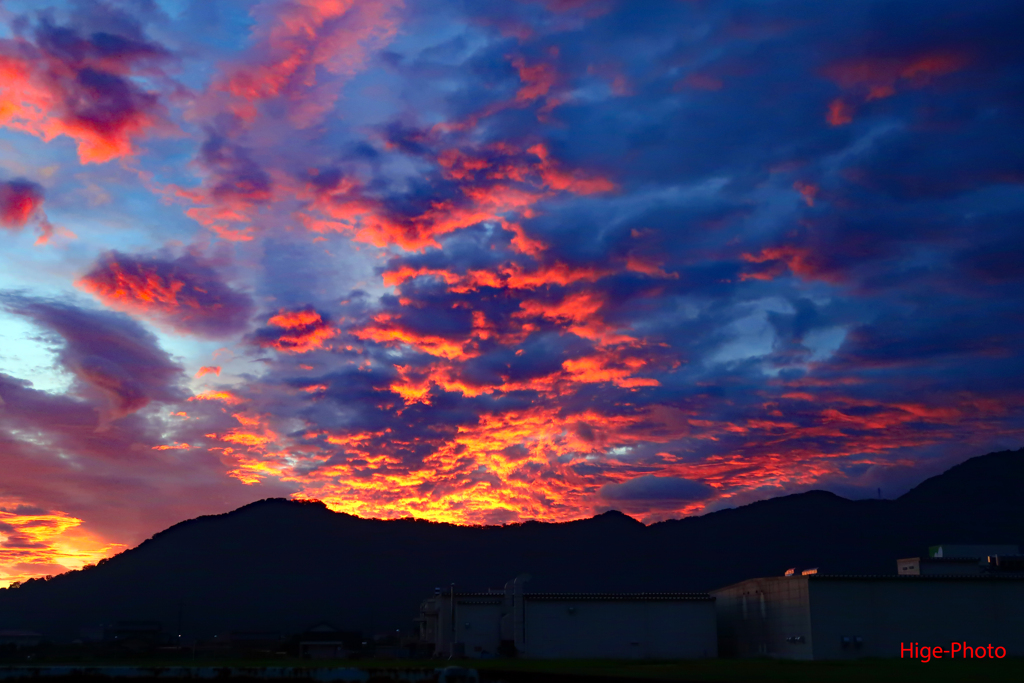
(111, 356)
(653, 488)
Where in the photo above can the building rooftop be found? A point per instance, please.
(492, 597)
(924, 577)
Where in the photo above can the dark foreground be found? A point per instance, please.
(535, 671)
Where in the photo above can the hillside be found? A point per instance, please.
(284, 565)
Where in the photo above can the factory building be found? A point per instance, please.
(963, 559)
(818, 616)
(569, 625)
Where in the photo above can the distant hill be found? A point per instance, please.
(284, 565)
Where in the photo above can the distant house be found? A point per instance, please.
(254, 641)
(17, 639)
(324, 641)
(135, 634)
(569, 625)
(324, 649)
(820, 616)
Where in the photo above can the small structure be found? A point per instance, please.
(254, 641)
(820, 616)
(569, 625)
(962, 559)
(972, 550)
(324, 641)
(324, 649)
(17, 639)
(136, 635)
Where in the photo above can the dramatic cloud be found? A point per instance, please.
(653, 488)
(183, 293)
(58, 81)
(21, 201)
(296, 331)
(109, 354)
(489, 262)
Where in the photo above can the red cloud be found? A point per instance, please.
(183, 293)
(807, 190)
(537, 79)
(222, 396)
(19, 201)
(698, 81)
(390, 330)
(497, 182)
(64, 84)
(301, 50)
(800, 260)
(875, 78)
(296, 332)
(208, 370)
(839, 113)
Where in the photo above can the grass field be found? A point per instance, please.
(744, 671)
(719, 670)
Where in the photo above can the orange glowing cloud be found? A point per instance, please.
(524, 463)
(34, 542)
(254, 435)
(568, 181)
(801, 261)
(506, 446)
(183, 293)
(648, 265)
(388, 329)
(299, 331)
(578, 312)
(173, 447)
(208, 370)
(223, 396)
(303, 53)
(878, 78)
(807, 190)
(250, 468)
(411, 388)
(509, 276)
(537, 81)
(498, 182)
(574, 308)
(91, 99)
(839, 113)
(606, 367)
(20, 200)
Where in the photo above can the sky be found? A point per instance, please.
(487, 262)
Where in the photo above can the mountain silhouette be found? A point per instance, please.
(284, 565)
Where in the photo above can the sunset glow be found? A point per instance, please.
(484, 263)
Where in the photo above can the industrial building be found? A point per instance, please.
(569, 625)
(963, 559)
(818, 616)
